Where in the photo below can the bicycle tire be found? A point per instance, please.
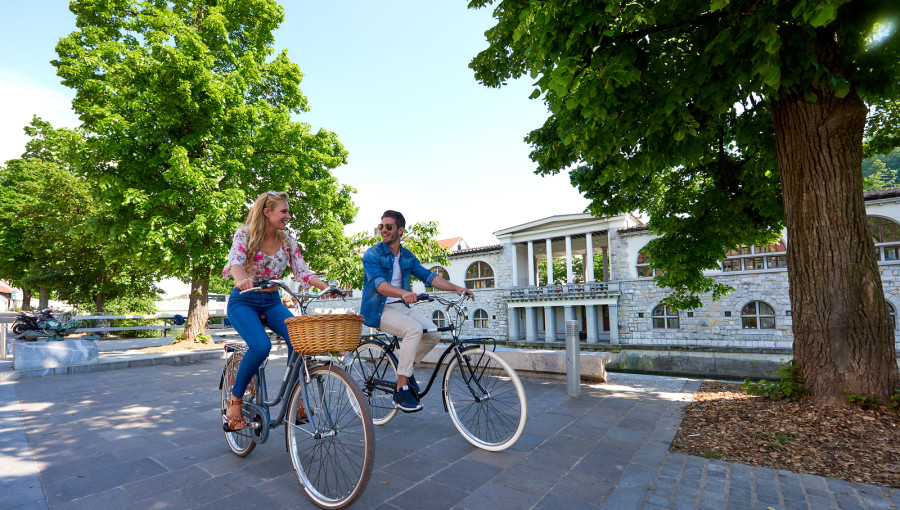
(334, 452)
(366, 365)
(240, 442)
(18, 329)
(490, 409)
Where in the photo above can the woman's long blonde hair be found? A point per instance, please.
(255, 224)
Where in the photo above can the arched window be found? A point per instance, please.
(440, 271)
(480, 318)
(665, 317)
(892, 314)
(479, 276)
(757, 315)
(439, 319)
(643, 266)
(886, 234)
(756, 258)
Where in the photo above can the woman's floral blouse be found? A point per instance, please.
(265, 266)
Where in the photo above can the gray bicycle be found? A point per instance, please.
(481, 392)
(332, 448)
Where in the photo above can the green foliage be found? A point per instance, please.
(347, 268)
(864, 401)
(664, 107)
(189, 112)
(559, 270)
(790, 385)
(710, 455)
(135, 305)
(882, 171)
(895, 399)
(49, 221)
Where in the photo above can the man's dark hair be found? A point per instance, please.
(398, 218)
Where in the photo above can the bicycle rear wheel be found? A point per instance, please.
(375, 371)
(242, 441)
(334, 452)
(485, 398)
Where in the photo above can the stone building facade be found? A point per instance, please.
(613, 298)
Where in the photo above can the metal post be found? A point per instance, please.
(573, 360)
(3, 342)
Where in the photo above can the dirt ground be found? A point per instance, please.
(858, 445)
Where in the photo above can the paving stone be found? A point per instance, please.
(121, 446)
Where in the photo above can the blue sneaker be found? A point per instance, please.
(405, 401)
(411, 380)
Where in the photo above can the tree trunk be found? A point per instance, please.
(44, 300)
(100, 304)
(198, 306)
(26, 299)
(843, 340)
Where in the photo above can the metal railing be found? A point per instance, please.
(587, 290)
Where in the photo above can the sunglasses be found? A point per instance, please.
(388, 226)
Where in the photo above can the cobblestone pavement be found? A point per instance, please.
(149, 438)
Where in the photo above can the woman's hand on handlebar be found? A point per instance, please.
(246, 283)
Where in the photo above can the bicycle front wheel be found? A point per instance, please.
(375, 371)
(240, 442)
(334, 451)
(485, 398)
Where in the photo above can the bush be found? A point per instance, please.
(790, 385)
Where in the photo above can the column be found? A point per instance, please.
(589, 258)
(513, 317)
(514, 266)
(605, 256)
(569, 313)
(531, 328)
(614, 324)
(531, 263)
(549, 324)
(569, 276)
(591, 320)
(549, 262)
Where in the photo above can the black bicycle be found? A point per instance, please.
(332, 449)
(482, 393)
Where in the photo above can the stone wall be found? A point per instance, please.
(709, 325)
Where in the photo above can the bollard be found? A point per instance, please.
(3, 354)
(573, 360)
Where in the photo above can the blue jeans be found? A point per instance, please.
(243, 312)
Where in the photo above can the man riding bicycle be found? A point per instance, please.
(386, 298)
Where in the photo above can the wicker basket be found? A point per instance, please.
(318, 334)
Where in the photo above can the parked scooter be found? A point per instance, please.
(27, 321)
(46, 323)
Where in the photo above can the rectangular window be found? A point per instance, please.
(891, 253)
(753, 263)
(673, 322)
(767, 323)
(644, 271)
(776, 262)
(659, 323)
(731, 265)
(748, 322)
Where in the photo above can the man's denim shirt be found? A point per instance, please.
(378, 262)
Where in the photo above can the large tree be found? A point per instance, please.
(726, 121)
(190, 114)
(54, 213)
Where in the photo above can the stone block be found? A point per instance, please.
(57, 353)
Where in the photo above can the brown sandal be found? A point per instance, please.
(235, 421)
(302, 418)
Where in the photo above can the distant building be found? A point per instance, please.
(620, 304)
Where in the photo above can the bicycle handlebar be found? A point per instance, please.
(304, 298)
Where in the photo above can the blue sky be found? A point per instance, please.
(390, 78)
